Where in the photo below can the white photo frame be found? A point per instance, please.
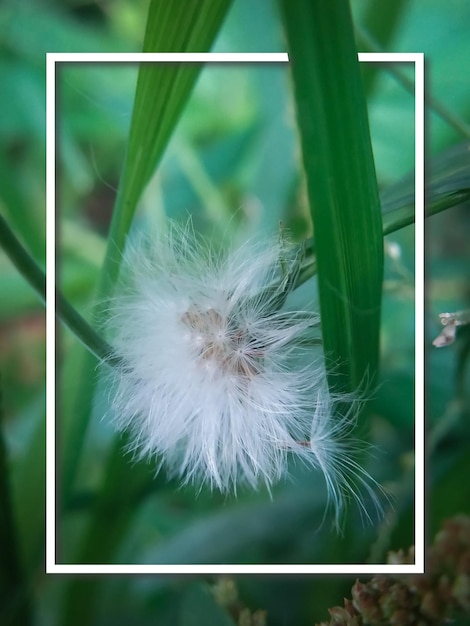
(52, 567)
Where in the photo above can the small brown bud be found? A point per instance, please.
(461, 592)
(430, 606)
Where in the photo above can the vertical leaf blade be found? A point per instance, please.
(160, 96)
(161, 93)
(342, 186)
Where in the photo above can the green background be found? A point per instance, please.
(233, 164)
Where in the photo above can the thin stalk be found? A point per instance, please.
(31, 271)
(366, 40)
(22, 260)
(381, 18)
(399, 218)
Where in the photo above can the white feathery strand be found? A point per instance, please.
(216, 382)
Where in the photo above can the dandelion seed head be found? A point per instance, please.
(219, 383)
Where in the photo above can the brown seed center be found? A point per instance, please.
(224, 342)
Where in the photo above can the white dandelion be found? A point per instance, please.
(219, 382)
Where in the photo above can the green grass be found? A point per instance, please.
(239, 149)
(342, 186)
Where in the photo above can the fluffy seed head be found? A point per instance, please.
(218, 381)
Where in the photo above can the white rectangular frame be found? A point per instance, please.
(56, 568)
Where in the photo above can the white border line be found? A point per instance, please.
(50, 315)
(54, 568)
(168, 57)
(419, 309)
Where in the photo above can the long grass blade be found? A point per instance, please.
(342, 186)
(447, 185)
(160, 97)
(161, 92)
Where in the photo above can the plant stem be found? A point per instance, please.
(366, 40)
(31, 271)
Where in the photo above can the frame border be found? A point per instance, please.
(417, 58)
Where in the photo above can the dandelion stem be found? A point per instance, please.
(30, 270)
(22, 260)
(307, 271)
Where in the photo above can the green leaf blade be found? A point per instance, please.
(342, 185)
(161, 93)
(162, 90)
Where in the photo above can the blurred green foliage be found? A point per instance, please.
(232, 163)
